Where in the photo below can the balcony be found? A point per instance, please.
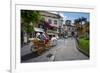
(53, 25)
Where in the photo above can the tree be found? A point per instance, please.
(79, 24)
(29, 19)
(84, 19)
(29, 16)
(68, 22)
(87, 28)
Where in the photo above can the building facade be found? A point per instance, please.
(69, 28)
(53, 22)
(50, 25)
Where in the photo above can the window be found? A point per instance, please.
(49, 20)
(55, 21)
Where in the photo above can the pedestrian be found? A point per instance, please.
(72, 33)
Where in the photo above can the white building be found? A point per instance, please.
(69, 28)
(54, 20)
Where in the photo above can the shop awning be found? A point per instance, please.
(38, 29)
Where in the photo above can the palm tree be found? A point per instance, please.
(84, 19)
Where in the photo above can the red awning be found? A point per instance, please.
(47, 25)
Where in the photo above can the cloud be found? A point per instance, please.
(64, 17)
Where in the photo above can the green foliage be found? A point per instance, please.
(30, 16)
(80, 20)
(84, 45)
(82, 26)
(29, 29)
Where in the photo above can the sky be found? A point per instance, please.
(73, 15)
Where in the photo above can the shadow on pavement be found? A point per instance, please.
(29, 56)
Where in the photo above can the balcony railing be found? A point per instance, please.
(54, 25)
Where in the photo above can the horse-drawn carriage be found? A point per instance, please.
(39, 46)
